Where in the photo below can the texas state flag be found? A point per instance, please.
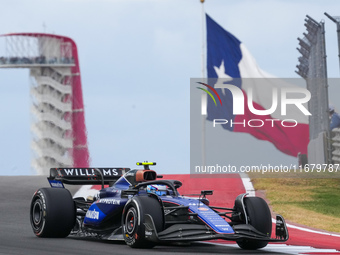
(228, 58)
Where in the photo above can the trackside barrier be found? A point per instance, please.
(336, 146)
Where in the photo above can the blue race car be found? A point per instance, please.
(144, 210)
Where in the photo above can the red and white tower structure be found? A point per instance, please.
(58, 127)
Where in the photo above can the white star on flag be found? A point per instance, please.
(222, 77)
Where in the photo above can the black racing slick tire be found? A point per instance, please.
(52, 212)
(259, 217)
(133, 219)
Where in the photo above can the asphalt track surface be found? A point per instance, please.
(16, 235)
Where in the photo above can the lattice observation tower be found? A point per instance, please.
(58, 125)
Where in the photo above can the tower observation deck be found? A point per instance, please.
(58, 124)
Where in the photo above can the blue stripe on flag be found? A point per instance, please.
(222, 48)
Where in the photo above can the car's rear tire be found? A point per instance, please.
(133, 219)
(259, 217)
(52, 212)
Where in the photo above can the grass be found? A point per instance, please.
(311, 202)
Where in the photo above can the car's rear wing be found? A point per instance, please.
(85, 176)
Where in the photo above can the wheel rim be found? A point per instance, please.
(130, 221)
(37, 212)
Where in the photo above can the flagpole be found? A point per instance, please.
(203, 39)
(204, 96)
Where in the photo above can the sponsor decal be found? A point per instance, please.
(89, 171)
(110, 172)
(56, 184)
(196, 204)
(203, 209)
(92, 214)
(43, 199)
(109, 201)
(130, 173)
(148, 233)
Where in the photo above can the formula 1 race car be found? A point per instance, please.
(145, 211)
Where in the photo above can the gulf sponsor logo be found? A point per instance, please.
(92, 214)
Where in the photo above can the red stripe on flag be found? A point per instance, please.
(290, 140)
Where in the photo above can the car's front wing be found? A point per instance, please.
(196, 232)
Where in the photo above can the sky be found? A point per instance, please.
(137, 58)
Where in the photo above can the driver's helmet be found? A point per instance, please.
(157, 189)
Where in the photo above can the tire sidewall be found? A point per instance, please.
(38, 197)
(143, 204)
(259, 217)
(259, 214)
(58, 212)
(133, 238)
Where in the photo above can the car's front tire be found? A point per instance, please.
(133, 219)
(52, 212)
(259, 217)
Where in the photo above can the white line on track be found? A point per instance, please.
(309, 230)
(248, 185)
(288, 249)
